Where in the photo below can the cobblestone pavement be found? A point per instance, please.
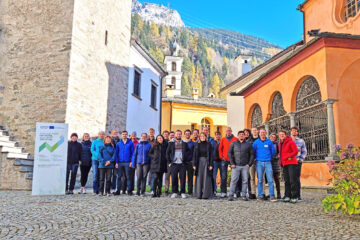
(23, 216)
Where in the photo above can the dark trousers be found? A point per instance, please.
(190, 178)
(291, 181)
(167, 180)
(298, 175)
(158, 177)
(123, 171)
(178, 171)
(113, 178)
(142, 171)
(84, 170)
(73, 169)
(277, 182)
(132, 179)
(105, 179)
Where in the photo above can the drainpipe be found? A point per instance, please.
(171, 109)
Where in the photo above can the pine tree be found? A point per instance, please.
(185, 85)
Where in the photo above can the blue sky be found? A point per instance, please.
(276, 21)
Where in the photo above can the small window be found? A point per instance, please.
(352, 7)
(173, 81)
(137, 82)
(173, 66)
(193, 126)
(153, 95)
(106, 38)
(246, 61)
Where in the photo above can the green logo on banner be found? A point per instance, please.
(49, 147)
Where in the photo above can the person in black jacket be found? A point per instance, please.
(74, 156)
(241, 156)
(203, 165)
(85, 161)
(158, 163)
(176, 153)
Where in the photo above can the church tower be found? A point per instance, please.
(173, 67)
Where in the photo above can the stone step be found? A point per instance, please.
(29, 175)
(24, 162)
(19, 155)
(26, 168)
(8, 143)
(5, 138)
(12, 149)
(4, 133)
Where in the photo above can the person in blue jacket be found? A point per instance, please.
(141, 161)
(124, 151)
(264, 151)
(106, 165)
(95, 150)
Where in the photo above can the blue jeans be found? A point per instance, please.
(152, 178)
(123, 168)
(222, 167)
(266, 167)
(95, 167)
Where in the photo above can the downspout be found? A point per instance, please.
(304, 33)
(171, 110)
(161, 93)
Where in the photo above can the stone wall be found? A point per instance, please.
(97, 94)
(35, 43)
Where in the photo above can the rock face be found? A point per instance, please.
(157, 13)
(59, 62)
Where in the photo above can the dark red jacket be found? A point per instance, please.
(287, 152)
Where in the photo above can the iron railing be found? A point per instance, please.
(279, 123)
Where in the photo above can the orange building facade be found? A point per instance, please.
(313, 84)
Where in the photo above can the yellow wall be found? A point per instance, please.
(183, 115)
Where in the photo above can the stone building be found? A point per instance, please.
(61, 61)
(313, 84)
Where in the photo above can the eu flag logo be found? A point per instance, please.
(52, 127)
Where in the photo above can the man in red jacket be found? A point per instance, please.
(287, 158)
(223, 154)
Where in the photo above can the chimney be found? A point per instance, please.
(170, 90)
(195, 93)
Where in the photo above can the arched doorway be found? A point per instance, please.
(256, 117)
(311, 119)
(205, 122)
(279, 120)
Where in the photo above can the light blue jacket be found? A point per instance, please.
(95, 148)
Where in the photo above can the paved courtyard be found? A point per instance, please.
(23, 216)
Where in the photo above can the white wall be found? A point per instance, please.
(236, 113)
(140, 116)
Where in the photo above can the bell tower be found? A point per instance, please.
(173, 66)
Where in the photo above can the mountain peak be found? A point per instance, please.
(158, 14)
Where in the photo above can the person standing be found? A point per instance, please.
(73, 158)
(106, 165)
(135, 141)
(158, 163)
(85, 163)
(151, 140)
(141, 162)
(275, 165)
(264, 151)
(203, 164)
(168, 174)
(217, 161)
(241, 156)
(166, 135)
(114, 139)
(195, 134)
(302, 152)
(287, 153)
(176, 153)
(95, 152)
(211, 140)
(124, 151)
(223, 154)
(251, 139)
(189, 157)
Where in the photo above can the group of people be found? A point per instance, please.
(115, 160)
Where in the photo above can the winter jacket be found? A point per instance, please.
(275, 159)
(74, 152)
(224, 146)
(96, 145)
(251, 139)
(107, 153)
(287, 152)
(191, 145)
(141, 154)
(124, 152)
(212, 141)
(196, 156)
(241, 153)
(158, 158)
(264, 150)
(86, 153)
(170, 151)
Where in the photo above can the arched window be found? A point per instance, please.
(173, 66)
(173, 81)
(277, 107)
(256, 117)
(309, 94)
(352, 7)
(205, 123)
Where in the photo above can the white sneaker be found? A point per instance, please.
(174, 195)
(183, 195)
(223, 195)
(152, 192)
(84, 191)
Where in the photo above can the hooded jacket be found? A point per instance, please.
(141, 154)
(107, 153)
(95, 148)
(86, 153)
(287, 152)
(124, 151)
